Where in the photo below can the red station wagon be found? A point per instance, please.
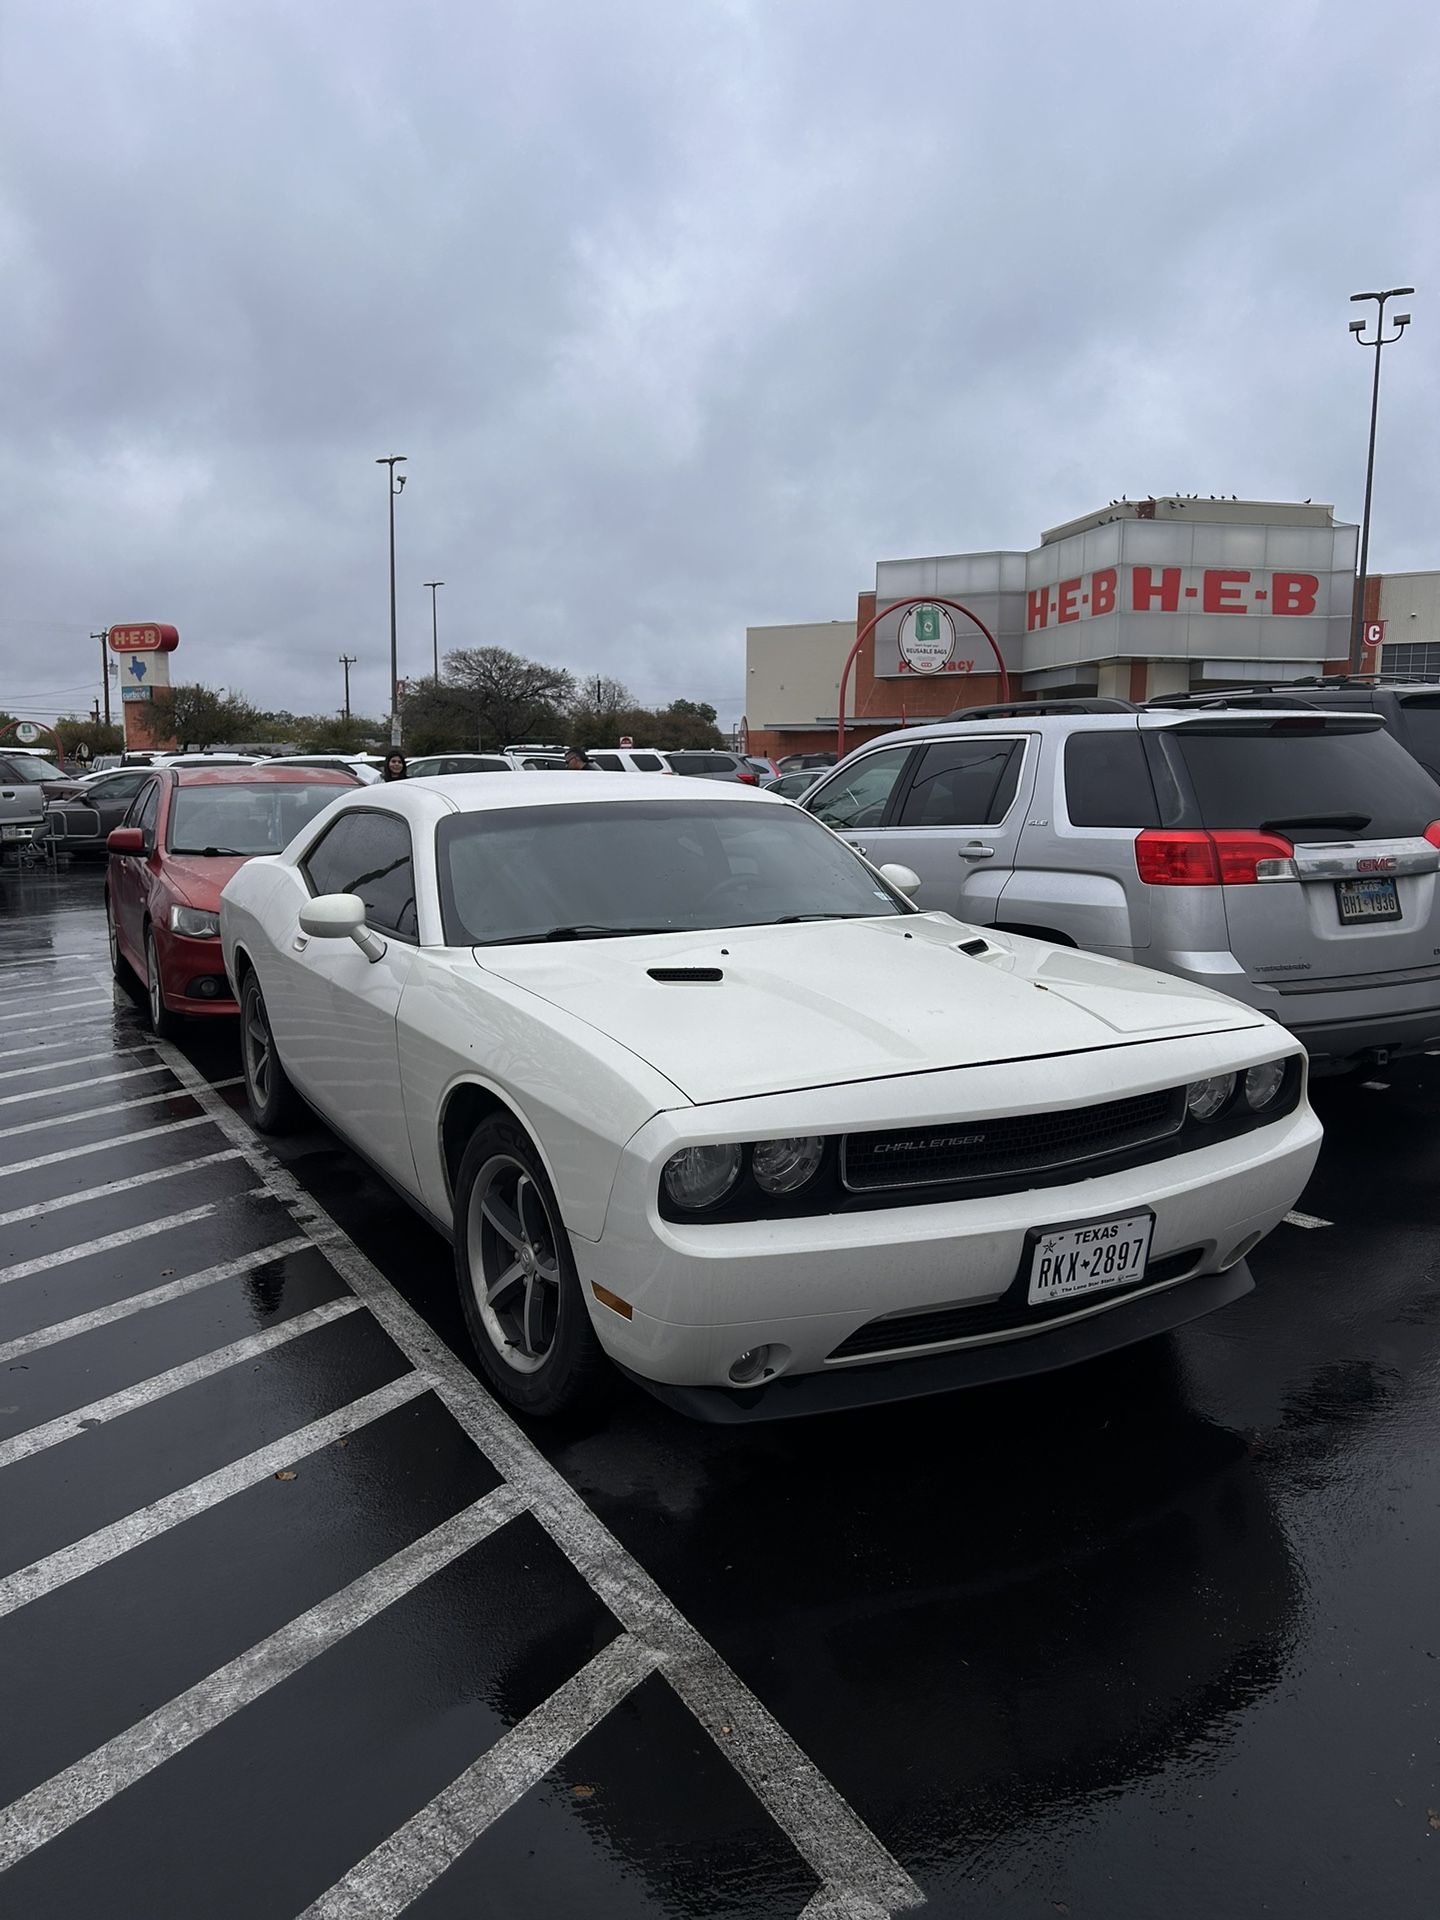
(187, 831)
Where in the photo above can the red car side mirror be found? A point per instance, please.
(125, 840)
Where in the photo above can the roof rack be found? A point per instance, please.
(1010, 709)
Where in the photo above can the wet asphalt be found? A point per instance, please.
(1156, 1636)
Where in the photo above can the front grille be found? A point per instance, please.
(1010, 1311)
(1024, 1143)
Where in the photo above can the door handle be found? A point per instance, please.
(976, 850)
(858, 848)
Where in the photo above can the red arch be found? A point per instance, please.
(914, 600)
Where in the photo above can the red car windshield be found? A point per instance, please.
(245, 817)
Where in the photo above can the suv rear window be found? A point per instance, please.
(1107, 780)
(1422, 730)
(1298, 774)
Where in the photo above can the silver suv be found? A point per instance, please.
(1289, 859)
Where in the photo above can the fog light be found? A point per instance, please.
(1263, 1083)
(1204, 1099)
(750, 1366)
(206, 986)
(783, 1166)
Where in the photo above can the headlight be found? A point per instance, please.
(782, 1166)
(192, 922)
(699, 1177)
(1204, 1099)
(1263, 1083)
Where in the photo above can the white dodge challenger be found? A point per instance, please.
(687, 1083)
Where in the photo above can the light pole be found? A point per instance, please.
(434, 631)
(347, 660)
(397, 486)
(1357, 328)
(103, 637)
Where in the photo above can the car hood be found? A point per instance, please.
(199, 881)
(826, 1003)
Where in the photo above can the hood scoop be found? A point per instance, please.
(972, 946)
(664, 974)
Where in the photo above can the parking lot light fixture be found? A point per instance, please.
(1381, 339)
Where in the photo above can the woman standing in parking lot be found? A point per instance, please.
(395, 767)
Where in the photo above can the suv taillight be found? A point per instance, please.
(1227, 858)
(1432, 833)
(747, 777)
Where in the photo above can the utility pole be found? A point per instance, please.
(397, 486)
(434, 631)
(103, 637)
(1382, 339)
(347, 660)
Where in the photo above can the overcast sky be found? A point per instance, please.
(683, 311)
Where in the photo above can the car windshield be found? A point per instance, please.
(1309, 778)
(259, 816)
(646, 866)
(31, 771)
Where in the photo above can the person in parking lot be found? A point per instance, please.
(578, 761)
(395, 768)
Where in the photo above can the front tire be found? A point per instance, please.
(519, 1290)
(119, 965)
(164, 1024)
(275, 1107)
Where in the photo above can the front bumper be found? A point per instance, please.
(186, 961)
(1063, 1344)
(702, 1295)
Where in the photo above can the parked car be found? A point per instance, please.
(36, 769)
(436, 763)
(188, 830)
(711, 764)
(1410, 709)
(536, 757)
(1287, 858)
(765, 768)
(366, 768)
(688, 1083)
(22, 799)
(89, 809)
(790, 786)
(797, 762)
(629, 760)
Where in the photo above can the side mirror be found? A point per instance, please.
(125, 840)
(341, 916)
(904, 880)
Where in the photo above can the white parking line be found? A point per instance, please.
(68, 1426)
(405, 1865)
(153, 1297)
(93, 1113)
(75, 1086)
(1307, 1220)
(109, 1242)
(147, 1523)
(110, 1187)
(48, 1810)
(40, 994)
(75, 1060)
(104, 1146)
(845, 1856)
(66, 1039)
(88, 999)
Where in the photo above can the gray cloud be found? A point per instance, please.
(683, 314)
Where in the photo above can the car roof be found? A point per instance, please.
(430, 797)
(1150, 719)
(193, 776)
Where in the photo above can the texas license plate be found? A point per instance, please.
(1068, 1261)
(1367, 900)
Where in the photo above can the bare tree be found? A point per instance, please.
(513, 697)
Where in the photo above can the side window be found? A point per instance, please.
(647, 763)
(609, 761)
(1107, 780)
(859, 794)
(143, 809)
(368, 854)
(964, 783)
(120, 786)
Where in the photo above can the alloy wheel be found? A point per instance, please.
(514, 1263)
(153, 989)
(259, 1050)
